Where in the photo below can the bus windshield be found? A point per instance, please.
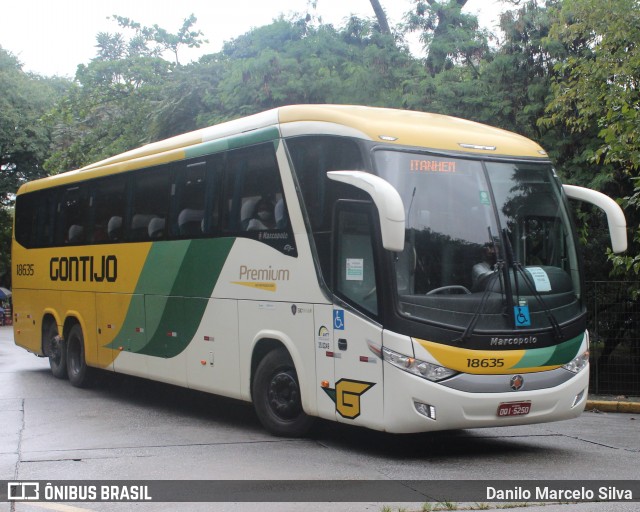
(482, 236)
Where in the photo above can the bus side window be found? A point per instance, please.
(108, 209)
(190, 190)
(35, 219)
(354, 265)
(73, 215)
(253, 192)
(150, 201)
(312, 157)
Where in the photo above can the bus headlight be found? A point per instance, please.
(429, 371)
(578, 363)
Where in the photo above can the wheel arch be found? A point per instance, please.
(49, 318)
(70, 320)
(262, 345)
(266, 341)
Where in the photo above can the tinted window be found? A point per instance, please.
(108, 207)
(197, 186)
(35, 218)
(254, 202)
(73, 215)
(150, 205)
(313, 157)
(237, 192)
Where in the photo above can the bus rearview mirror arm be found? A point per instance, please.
(615, 216)
(387, 200)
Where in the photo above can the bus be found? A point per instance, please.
(396, 270)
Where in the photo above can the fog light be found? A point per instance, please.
(426, 410)
(578, 398)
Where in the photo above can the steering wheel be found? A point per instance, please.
(451, 288)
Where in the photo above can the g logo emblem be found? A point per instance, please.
(347, 395)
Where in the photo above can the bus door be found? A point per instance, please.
(357, 390)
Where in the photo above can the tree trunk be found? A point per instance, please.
(381, 16)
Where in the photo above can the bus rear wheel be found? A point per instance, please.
(80, 375)
(57, 351)
(276, 396)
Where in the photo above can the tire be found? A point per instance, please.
(57, 351)
(276, 396)
(80, 375)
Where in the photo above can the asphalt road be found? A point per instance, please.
(131, 429)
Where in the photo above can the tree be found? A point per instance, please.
(295, 61)
(162, 39)
(24, 136)
(381, 16)
(596, 93)
(114, 98)
(449, 35)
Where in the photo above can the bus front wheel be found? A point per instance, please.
(276, 396)
(80, 375)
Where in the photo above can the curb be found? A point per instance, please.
(612, 406)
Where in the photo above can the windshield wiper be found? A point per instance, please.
(499, 272)
(519, 269)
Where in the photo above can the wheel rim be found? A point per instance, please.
(74, 356)
(56, 351)
(284, 395)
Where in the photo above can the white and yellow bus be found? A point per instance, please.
(396, 270)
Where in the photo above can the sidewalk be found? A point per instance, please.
(607, 403)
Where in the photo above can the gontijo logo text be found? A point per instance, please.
(84, 268)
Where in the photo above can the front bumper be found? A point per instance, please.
(456, 409)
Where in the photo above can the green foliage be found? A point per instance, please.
(114, 98)
(563, 72)
(154, 41)
(288, 62)
(595, 98)
(450, 36)
(24, 137)
(598, 80)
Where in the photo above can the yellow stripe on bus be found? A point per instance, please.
(480, 362)
(270, 287)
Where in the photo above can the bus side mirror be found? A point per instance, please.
(615, 216)
(387, 200)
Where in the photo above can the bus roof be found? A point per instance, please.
(402, 127)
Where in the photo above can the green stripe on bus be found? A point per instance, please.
(566, 351)
(551, 356)
(234, 142)
(177, 281)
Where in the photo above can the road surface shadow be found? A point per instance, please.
(233, 413)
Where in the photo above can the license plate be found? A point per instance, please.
(514, 408)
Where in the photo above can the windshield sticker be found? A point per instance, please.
(484, 197)
(522, 316)
(540, 279)
(355, 269)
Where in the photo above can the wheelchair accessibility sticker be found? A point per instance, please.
(522, 316)
(338, 319)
